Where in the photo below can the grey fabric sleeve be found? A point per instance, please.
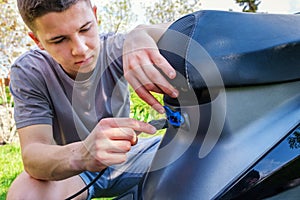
(29, 91)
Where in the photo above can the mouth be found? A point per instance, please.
(85, 62)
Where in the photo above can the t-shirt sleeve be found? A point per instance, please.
(113, 44)
(31, 105)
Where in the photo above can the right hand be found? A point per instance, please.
(145, 68)
(110, 140)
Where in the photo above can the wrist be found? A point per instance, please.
(76, 160)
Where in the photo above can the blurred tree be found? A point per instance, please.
(13, 30)
(13, 42)
(249, 5)
(115, 15)
(169, 10)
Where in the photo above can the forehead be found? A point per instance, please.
(60, 22)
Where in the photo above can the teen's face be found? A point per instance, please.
(70, 37)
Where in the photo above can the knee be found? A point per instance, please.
(25, 187)
(20, 188)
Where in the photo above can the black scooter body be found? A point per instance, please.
(239, 82)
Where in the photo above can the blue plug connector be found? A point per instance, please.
(174, 117)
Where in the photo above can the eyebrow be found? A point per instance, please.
(61, 36)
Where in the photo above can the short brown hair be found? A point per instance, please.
(32, 9)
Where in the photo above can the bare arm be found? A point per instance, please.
(142, 59)
(42, 158)
(107, 144)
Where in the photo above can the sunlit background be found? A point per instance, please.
(269, 6)
(266, 6)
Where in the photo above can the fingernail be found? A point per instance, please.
(153, 130)
(174, 94)
(158, 108)
(161, 111)
(172, 75)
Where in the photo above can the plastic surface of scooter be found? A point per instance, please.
(239, 80)
(239, 85)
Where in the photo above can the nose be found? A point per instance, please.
(79, 46)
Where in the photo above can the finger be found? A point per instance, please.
(160, 62)
(119, 146)
(150, 99)
(156, 77)
(137, 78)
(136, 141)
(112, 158)
(159, 80)
(141, 72)
(146, 96)
(127, 134)
(137, 126)
(120, 133)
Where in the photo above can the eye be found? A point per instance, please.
(58, 41)
(85, 29)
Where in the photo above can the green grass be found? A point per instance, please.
(10, 167)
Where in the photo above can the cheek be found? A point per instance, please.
(93, 41)
(61, 56)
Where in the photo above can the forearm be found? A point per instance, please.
(53, 162)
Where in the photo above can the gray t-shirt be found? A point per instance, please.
(45, 94)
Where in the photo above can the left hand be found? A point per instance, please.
(142, 62)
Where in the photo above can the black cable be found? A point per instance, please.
(87, 186)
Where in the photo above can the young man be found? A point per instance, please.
(72, 102)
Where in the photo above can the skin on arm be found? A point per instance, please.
(43, 159)
(142, 59)
(107, 145)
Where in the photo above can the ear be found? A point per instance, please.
(95, 11)
(36, 40)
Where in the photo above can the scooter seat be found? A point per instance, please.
(244, 71)
(243, 48)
